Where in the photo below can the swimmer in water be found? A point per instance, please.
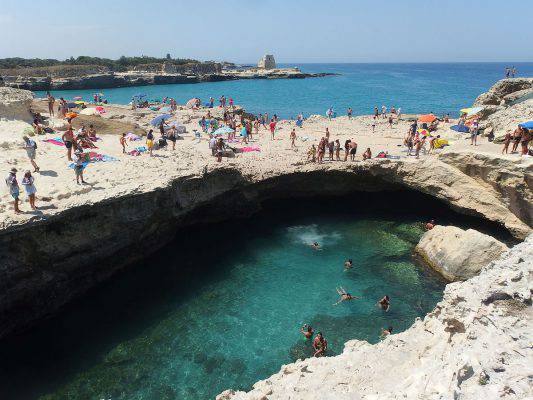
(430, 225)
(348, 264)
(385, 332)
(320, 345)
(384, 303)
(315, 246)
(345, 296)
(307, 331)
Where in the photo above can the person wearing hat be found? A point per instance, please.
(30, 146)
(12, 184)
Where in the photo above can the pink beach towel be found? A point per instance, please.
(56, 141)
(248, 149)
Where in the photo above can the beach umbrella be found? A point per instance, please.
(223, 130)
(72, 105)
(71, 115)
(527, 125)
(89, 111)
(157, 120)
(423, 132)
(474, 111)
(428, 118)
(79, 102)
(465, 110)
(460, 128)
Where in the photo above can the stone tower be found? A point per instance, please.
(267, 62)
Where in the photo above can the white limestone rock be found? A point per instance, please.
(458, 254)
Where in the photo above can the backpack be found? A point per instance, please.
(33, 144)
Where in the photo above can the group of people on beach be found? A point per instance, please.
(519, 136)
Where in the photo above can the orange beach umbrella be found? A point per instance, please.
(427, 118)
(71, 115)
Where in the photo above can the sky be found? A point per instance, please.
(295, 31)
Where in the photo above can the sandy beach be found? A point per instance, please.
(56, 183)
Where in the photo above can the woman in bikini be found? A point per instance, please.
(345, 296)
(307, 331)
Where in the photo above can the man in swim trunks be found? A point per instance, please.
(353, 150)
(348, 264)
(307, 331)
(345, 296)
(320, 345)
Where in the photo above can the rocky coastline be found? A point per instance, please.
(475, 344)
(106, 80)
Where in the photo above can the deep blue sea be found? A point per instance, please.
(416, 88)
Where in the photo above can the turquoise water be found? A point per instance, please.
(416, 88)
(221, 307)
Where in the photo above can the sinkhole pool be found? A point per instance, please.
(221, 306)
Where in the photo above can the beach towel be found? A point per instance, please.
(56, 141)
(132, 137)
(439, 143)
(248, 149)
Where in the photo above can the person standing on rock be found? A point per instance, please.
(29, 187)
(272, 128)
(293, 139)
(320, 345)
(78, 166)
(350, 111)
(506, 142)
(353, 150)
(69, 141)
(526, 137)
(14, 191)
(473, 133)
(507, 72)
(337, 148)
(517, 137)
(51, 101)
(123, 143)
(513, 72)
(31, 147)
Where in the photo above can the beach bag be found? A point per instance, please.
(33, 144)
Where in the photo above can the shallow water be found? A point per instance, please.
(221, 307)
(416, 88)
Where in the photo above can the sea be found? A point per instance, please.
(416, 88)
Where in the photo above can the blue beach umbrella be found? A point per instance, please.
(72, 105)
(157, 120)
(460, 128)
(223, 130)
(527, 125)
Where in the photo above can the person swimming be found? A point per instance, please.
(348, 264)
(320, 345)
(315, 246)
(384, 303)
(430, 225)
(307, 331)
(385, 332)
(345, 296)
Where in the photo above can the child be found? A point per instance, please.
(150, 141)
(312, 153)
(123, 143)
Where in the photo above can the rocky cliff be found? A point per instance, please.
(143, 75)
(475, 344)
(507, 103)
(15, 104)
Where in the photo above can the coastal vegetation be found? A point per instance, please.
(121, 64)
